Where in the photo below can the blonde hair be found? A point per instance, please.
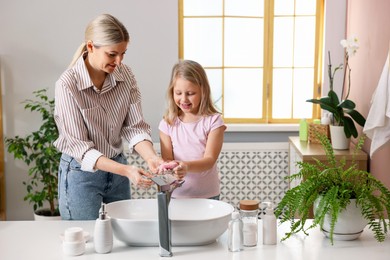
(104, 30)
(193, 72)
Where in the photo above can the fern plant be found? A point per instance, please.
(37, 150)
(332, 185)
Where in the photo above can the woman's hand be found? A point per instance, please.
(154, 164)
(139, 177)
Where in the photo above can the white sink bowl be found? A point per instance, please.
(194, 222)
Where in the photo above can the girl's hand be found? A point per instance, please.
(139, 177)
(181, 170)
(167, 166)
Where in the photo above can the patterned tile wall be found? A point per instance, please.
(253, 175)
(246, 173)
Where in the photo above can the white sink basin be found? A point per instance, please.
(194, 222)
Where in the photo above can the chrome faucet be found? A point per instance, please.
(165, 187)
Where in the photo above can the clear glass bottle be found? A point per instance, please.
(235, 233)
(249, 210)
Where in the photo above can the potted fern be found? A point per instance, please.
(331, 188)
(37, 150)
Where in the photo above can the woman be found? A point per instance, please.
(97, 105)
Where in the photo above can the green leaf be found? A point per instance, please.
(347, 104)
(333, 98)
(357, 117)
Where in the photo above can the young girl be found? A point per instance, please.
(191, 132)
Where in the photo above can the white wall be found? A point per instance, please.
(334, 32)
(38, 39)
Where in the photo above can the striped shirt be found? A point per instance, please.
(93, 122)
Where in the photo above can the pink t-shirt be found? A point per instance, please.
(189, 143)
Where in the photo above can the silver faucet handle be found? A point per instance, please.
(166, 182)
(161, 183)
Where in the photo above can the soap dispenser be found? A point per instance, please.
(103, 238)
(303, 130)
(269, 225)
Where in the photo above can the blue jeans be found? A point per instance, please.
(81, 193)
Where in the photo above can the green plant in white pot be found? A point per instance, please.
(343, 110)
(332, 187)
(37, 151)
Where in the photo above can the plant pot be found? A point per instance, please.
(338, 137)
(349, 225)
(45, 215)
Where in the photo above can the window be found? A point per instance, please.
(262, 57)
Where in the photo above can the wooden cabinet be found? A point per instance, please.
(306, 152)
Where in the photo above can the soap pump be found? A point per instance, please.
(303, 130)
(103, 238)
(269, 225)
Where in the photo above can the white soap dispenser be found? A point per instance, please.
(325, 119)
(235, 233)
(269, 225)
(103, 238)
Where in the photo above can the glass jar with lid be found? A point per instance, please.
(249, 210)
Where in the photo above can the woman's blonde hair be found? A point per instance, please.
(104, 30)
(193, 72)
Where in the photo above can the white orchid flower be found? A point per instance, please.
(350, 45)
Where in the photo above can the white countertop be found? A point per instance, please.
(21, 240)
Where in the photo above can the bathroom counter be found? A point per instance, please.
(41, 240)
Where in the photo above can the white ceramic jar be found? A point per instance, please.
(74, 241)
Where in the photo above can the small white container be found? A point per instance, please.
(74, 241)
(326, 119)
(74, 234)
(73, 248)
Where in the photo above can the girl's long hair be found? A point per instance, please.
(193, 72)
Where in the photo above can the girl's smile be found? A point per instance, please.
(187, 96)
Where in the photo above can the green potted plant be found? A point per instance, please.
(331, 188)
(37, 151)
(343, 110)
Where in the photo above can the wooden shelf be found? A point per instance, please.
(307, 152)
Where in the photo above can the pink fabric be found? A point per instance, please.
(189, 143)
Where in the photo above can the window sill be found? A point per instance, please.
(262, 127)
